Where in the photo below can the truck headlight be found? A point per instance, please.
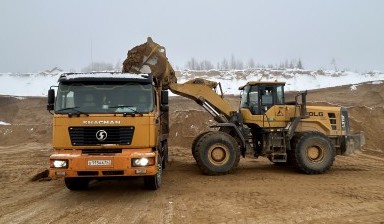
(136, 162)
(59, 163)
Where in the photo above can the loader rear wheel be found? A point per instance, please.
(314, 153)
(195, 142)
(76, 183)
(217, 153)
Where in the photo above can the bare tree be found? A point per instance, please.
(299, 64)
(118, 65)
(251, 63)
(232, 63)
(193, 64)
(98, 67)
(224, 64)
(239, 65)
(291, 64)
(333, 63)
(206, 65)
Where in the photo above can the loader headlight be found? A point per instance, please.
(136, 162)
(59, 163)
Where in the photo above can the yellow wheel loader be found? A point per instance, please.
(308, 137)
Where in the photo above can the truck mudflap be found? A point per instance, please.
(354, 142)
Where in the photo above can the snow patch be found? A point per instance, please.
(37, 84)
(353, 87)
(377, 82)
(4, 123)
(19, 97)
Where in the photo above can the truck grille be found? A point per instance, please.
(82, 136)
(100, 151)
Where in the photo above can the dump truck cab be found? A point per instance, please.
(108, 125)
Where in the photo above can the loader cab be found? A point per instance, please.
(258, 97)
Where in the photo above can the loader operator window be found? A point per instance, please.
(266, 98)
(279, 95)
(250, 99)
(107, 97)
(259, 98)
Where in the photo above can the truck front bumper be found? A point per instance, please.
(78, 165)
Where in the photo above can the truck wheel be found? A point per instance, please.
(165, 155)
(314, 153)
(217, 153)
(195, 142)
(154, 182)
(76, 183)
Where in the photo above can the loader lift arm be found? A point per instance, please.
(150, 57)
(206, 97)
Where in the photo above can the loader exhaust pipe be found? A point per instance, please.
(303, 106)
(303, 112)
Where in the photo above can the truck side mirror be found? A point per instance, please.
(164, 108)
(164, 97)
(51, 99)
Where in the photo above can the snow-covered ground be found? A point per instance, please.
(296, 79)
(37, 84)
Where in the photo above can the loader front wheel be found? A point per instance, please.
(217, 153)
(195, 141)
(314, 153)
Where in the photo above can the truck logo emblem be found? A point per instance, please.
(101, 135)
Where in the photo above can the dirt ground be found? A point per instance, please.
(257, 192)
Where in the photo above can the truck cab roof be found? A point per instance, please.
(105, 77)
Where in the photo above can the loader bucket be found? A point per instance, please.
(354, 142)
(150, 58)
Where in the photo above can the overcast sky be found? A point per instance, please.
(41, 34)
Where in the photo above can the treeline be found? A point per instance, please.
(194, 64)
(233, 63)
(102, 66)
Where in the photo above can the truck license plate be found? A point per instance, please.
(106, 162)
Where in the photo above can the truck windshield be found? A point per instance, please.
(104, 98)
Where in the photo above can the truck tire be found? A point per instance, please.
(217, 153)
(76, 183)
(165, 155)
(313, 153)
(195, 142)
(154, 182)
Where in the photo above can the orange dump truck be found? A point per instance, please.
(108, 125)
